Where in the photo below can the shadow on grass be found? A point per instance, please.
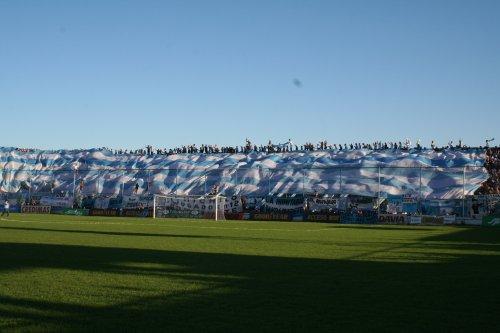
(255, 293)
(472, 235)
(170, 235)
(103, 233)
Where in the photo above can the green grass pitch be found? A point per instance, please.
(60, 273)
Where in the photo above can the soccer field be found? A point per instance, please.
(100, 274)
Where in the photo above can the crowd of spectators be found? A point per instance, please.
(492, 164)
(271, 147)
(289, 146)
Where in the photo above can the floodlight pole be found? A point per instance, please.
(463, 193)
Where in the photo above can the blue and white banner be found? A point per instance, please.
(432, 174)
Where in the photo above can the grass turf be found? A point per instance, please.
(60, 273)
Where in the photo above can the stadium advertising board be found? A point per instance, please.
(103, 212)
(359, 217)
(271, 216)
(137, 212)
(322, 217)
(234, 216)
(26, 209)
(392, 219)
(432, 220)
(71, 211)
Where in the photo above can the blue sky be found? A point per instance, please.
(129, 73)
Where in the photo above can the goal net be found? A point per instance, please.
(189, 206)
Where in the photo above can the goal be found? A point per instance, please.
(189, 206)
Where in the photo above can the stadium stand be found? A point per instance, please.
(442, 174)
(353, 182)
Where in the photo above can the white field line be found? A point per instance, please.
(87, 222)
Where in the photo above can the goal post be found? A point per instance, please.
(189, 206)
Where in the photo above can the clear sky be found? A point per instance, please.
(78, 74)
